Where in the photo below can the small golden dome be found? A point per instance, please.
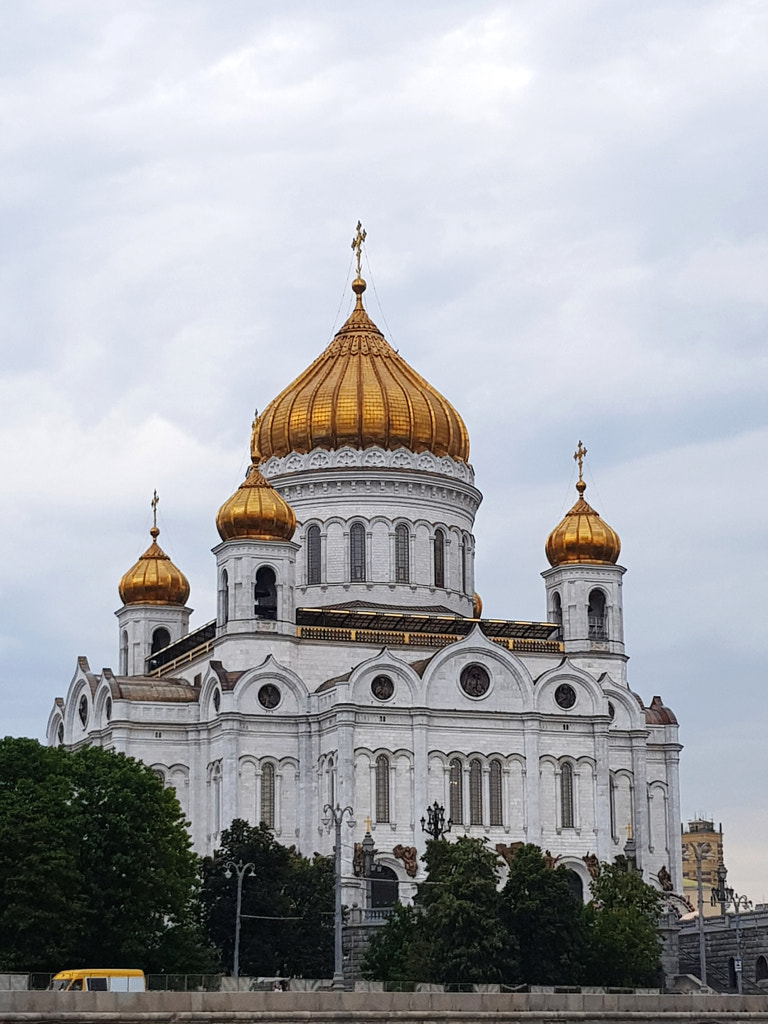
(477, 606)
(154, 579)
(582, 537)
(360, 393)
(255, 511)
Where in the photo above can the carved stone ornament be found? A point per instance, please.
(382, 687)
(407, 854)
(565, 696)
(593, 864)
(269, 696)
(665, 879)
(357, 860)
(475, 680)
(551, 861)
(508, 851)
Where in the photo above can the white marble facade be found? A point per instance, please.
(530, 738)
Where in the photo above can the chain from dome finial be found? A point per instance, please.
(578, 457)
(358, 285)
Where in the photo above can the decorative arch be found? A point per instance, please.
(312, 544)
(438, 558)
(265, 593)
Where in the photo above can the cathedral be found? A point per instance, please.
(349, 664)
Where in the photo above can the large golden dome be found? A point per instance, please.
(255, 511)
(154, 579)
(582, 536)
(360, 393)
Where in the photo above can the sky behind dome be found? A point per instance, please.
(566, 216)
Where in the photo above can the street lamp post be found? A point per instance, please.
(699, 851)
(435, 824)
(239, 870)
(725, 896)
(335, 815)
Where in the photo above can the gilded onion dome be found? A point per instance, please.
(582, 536)
(359, 393)
(255, 511)
(154, 579)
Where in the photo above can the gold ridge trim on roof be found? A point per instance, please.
(361, 393)
(582, 536)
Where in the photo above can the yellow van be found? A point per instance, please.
(99, 979)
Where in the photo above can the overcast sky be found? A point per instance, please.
(566, 216)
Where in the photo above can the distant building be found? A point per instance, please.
(703, 832)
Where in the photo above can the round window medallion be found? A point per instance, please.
(108, 708)
(565, 695)
(217, 699)
(475, 680)
(269, 696)
(82, 709)
(382, 687)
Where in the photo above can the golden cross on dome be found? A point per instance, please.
(629, 830)
(154, 503)
(578, 455)
(357, 244)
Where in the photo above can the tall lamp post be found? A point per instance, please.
(335, 816)
(240, 870)
(697, 851)
(724, 896)
(435, 824)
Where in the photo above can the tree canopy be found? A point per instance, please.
(95, 864)
(467, 928)
(287, 905)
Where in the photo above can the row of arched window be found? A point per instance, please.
(460, 814)
(597, 621)
(264, 594)
(402, 566)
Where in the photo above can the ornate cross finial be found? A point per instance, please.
(629, 830)
(578, 456)
(357, 245)
(154, 503)
(368, 824)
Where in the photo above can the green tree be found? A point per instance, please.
(287, 906)
(396, 951)
(624, 939)
(95, 864)
(547, 921)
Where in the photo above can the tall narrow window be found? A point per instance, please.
(313, 555)
(224, 598)
(265, 594)
(495, 793)
(557, 614)
(475, 792)
(382, 788)
(456, 795)
(357, 553)
(596, 616)
(216, 797)
(464, 565)
(439, 558)
(160, 639)
(402, 559)
(566, 795)
(331, 769)
(124, 652)
(268, 795)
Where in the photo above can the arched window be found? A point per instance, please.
(124, 652)
(575, 886)
(402, 554)
(268, 795)
(494, 782)
(357, 553)
(566, 795)
(224, 598)
(331, 770)
(475, 792)
(596, 616)
(557, 614)
(456, 795)
(464, 565)
(313, 555)
(265, 594)
(761, 969)
(439, 558)
(216, 797)
(160, 639)
(382, 788)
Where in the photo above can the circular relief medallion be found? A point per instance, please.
(382, 687)
(269, 696)
(82, 709)
(108, 708)
(565, 696)
(217, 699)
(475, 680)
